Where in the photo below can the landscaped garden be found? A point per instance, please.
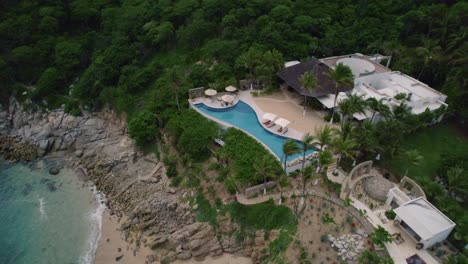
(331, 234)
(441, 171)
(433, 143)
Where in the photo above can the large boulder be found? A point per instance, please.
(184, 255)
(43, 147)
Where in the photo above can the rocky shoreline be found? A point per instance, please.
(136, 185)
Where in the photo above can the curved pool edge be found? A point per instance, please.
(227, 125)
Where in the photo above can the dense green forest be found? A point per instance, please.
(135, 54)
(140, 57)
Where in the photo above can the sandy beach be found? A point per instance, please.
(223, 259)
(111, 241)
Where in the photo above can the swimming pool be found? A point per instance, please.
(243, 116)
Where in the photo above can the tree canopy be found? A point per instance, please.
(112, 50)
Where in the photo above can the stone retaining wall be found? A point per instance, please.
(196, 92)
(258, 189)
(350, 209)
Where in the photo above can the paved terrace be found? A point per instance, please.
(246, 97)
(400, 252)
(286, 104)
(214, 102)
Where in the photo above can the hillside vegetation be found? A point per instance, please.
(135, 54)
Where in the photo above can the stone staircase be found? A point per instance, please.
(332, 167)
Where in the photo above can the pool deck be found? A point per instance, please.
(213, 102)
(398, 252)
(246, 97)
(288, 105)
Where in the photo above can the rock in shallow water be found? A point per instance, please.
(54, 170)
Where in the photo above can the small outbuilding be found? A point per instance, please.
(423, 222)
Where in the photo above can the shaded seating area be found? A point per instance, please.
(283, 125)
(269, 119)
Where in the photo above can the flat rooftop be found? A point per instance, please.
(425, 219)
(360, 64)
(393, 83)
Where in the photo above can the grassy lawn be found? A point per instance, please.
(432, 143)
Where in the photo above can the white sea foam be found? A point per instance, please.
(94, 234)
(41, 208)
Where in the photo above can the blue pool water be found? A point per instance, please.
(243, 116)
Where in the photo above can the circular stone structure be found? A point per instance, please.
(377, 187)
(358, 66)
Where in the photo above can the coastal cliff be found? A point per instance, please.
(135, 184)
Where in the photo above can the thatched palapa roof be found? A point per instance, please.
(325, 85)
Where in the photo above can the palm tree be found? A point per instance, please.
(378, 106)
(391, 47)
(309, 173)
(325, 158)
(290, 147)
(456, 259)
(430, 50)
(263, 168)
(401, 112)
(380, 236)
(344, 147)
(365, 136)
(346, 130)
(341, 75)
(353, 104)
(346, 108)
(324, 136)
(347, 202)
(175, 79)
(413, 157)
(188, 165)
(457, 180)
(309, 81)
(306, 145)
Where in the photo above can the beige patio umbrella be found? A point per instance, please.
(210, 92)
(227, 98)
(230, 88)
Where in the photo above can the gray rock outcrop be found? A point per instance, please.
(135, 184)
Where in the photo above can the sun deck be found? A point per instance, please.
(215, 102)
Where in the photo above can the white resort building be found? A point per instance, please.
(371, 80)
(421, 220)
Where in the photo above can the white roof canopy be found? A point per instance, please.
(291, 63)
(423, 218)
(359, 116)
(282, 122)
(269, 116)
(327, 100)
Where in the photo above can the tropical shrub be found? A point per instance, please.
(142, 127)
(380, 236)
(336, 118)
(244, 151)
(265, 215)
(390, 214)
(193, 134)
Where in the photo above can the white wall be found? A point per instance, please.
(438, 237)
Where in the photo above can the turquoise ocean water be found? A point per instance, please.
(46, 218)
